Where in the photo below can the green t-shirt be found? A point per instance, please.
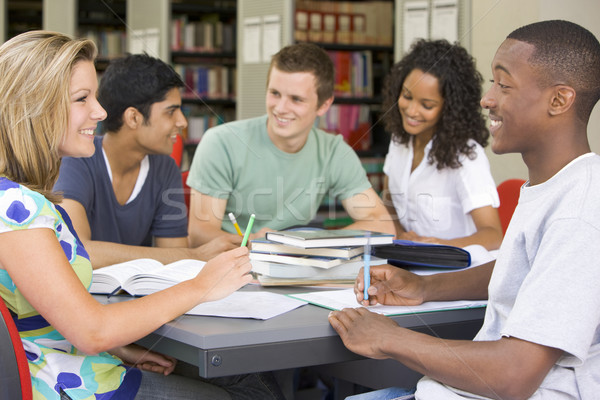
(237, 161)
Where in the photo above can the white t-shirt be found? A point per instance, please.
(435, 202)
(545, 287)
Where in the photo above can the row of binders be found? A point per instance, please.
(310, 257)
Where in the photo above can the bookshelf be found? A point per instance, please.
(203, 51)
(22, 16)
(104, 22)
(358, 36)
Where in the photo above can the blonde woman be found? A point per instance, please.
(78, 348)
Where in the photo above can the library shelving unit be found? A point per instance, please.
(203, 51)
(22, 16)
(104, 22)
(358, 36)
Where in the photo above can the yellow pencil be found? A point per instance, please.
(235, 224)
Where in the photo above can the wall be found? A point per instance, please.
(492, 20)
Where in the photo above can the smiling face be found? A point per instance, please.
(158, 134)
(84, 114)
(292, 107)
(516, 103)
(420, 104)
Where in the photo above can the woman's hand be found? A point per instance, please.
(224, 274)
(142, 358)
(217, 246)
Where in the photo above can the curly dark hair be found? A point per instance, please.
(460, 87)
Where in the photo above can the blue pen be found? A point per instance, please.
(367, 267)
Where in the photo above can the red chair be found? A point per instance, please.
(15, 381)
(177, 152)
(186, 189)
(508, 191)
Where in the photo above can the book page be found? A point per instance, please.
(345, 298)
(104, 280)
(161, 278)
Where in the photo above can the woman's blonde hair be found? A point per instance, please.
(35, 75)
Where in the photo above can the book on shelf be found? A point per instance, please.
(356, 22)
(329, 27)
(213, 82)
(315, 23)
(301, 26)
(344, 29)
(207, 35)
(266, 246)
(359, 29)
(347, 270)
(143, 276)
(311, 261)
(406, 253)
(329, 238)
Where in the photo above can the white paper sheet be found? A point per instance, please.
(345, 298)
(415, 24)
(240, 304)
(271, 37)
(444, 20)
(252, 29)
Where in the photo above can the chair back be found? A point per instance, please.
(508, 191)
(186, 189)
(15, 380)
(177, 153)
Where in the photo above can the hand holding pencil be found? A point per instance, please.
(390, 285)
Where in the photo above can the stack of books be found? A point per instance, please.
(306, 257)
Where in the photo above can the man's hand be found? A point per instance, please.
(390, 286)
(362, 331)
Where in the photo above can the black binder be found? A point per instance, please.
(405, 253)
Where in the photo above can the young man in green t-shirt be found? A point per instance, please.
(279, 166)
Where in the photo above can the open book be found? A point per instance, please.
(143, 276)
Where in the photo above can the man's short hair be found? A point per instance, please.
(565, 53)
(136, 80)
(307, 57)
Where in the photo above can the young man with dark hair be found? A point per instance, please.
(128, 196)
(279, 166)
(540, 337)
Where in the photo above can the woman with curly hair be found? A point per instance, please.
(438, 181)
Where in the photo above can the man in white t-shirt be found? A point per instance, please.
(539, 338)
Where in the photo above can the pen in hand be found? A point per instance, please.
(367, 265)
(248, 230)
(235, 224)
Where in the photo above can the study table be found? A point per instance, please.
(299, 338)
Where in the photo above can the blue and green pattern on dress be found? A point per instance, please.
(53, 362)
